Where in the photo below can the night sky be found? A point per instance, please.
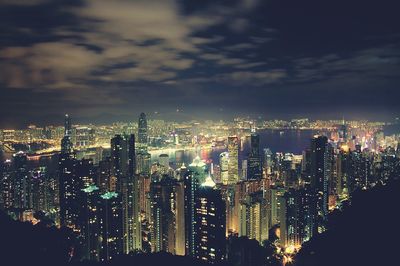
(104, 61)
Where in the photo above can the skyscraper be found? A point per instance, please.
(319, 176)
(233, 166)
(69, 183)
(165, 201)
(133, 190)
(119, 161)
(89, 218)
(254, 170)
(67, 125)
(224, 166)
(142, 133)
(66, 142)
(210, 223)
(296, 217)
(126, 183)
(110, 220)
(193, 178)
(21, 181)
(253, 216)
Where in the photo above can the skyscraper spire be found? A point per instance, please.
(67, 125)
(66, 142)
(142, 133)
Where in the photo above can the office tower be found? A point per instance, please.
(119, 161)
(66, 142)
(21, 182)
(69, 188)
(361, 165)
(39, 189)
(164, 207)
(268, 161)
(110, 220)
(276, 193)
(142, 133)
(224, 166)
(296, 217)
(233, 167)
(180, 218)
(74, 175)
(290, 219)
(319, 177)
(89, 223)
(7, 193)
(254, 160)
(195, 176)
(133, 199)
(253, 217)
(144, 196)
(228, 194)
(210, 223)
(126, 183)
(343, 183)
(67, 125)
(308, 221)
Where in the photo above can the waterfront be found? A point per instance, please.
(286, 141)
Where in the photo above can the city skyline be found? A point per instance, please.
(103, 61)
(201, 191)
(212, 132)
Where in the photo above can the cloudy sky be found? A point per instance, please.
(108, 60)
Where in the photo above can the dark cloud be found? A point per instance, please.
(277, 57)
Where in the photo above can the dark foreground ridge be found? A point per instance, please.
(365, 233)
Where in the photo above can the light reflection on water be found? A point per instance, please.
(292, 141)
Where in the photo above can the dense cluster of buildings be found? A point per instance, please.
(118, 200)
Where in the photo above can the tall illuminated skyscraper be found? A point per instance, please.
(276, 193)
(69, 183)
(90, 230)
(254, 161)
(126, 183)
(209, 223)
(66, 142)
(67, 125)
(233, 167)
(142, 133)
(319, 176)
(167, 215)
(133, 199)
(119, 161)
(296, 217)
(254, 218)
(110, 220)
(224, 166)
(193, 178)
(21, 181)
